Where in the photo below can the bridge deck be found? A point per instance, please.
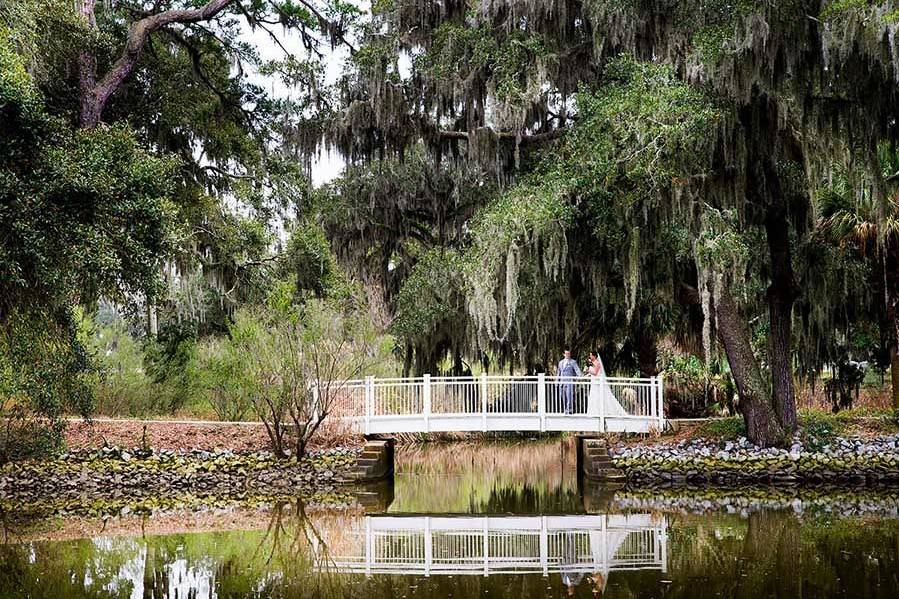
(502, 403)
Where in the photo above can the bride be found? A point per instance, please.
(600, 392)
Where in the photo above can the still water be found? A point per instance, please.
(475, 521)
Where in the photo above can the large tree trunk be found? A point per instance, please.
(762, 425)
(781, 295)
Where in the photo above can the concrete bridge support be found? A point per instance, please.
(594, 461)
(376, 461)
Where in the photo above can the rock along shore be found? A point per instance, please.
(699, 461)
(111, 472)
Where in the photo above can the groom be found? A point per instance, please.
(567, 371)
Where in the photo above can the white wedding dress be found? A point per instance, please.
(604, 547)
(601, 401)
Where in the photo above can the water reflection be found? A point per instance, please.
(568, 545)
(503, 521)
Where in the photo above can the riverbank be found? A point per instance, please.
(112, 472)
(839, 460)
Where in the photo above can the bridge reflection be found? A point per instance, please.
(485, 545)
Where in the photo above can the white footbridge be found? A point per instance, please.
(484, 545)
(503, 403)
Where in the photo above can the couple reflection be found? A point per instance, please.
(571, 566)
(596, 580)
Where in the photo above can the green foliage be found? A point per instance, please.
(642, 132)
(724, 429)
(123, 387)
(297, 361)
(818, 429)
(82, 214)
(225, 378)
(171, 362)
(610, 189)
(45, 374)
(430, 297)
(694, 387)
(310, 260)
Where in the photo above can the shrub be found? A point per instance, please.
(45, 373)
(818, 429)
(724, 429)
(172, 362)
(298, 361)
(123, 387)
(225, 380)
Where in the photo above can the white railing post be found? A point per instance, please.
(369, 402)
(660, 405)
(429, 547)
(486, 546)
(606, 562)
(541, 400)
(663, 543)
(484, 401)
(369, 546)
(544, 547)
(426, 395)
(602, 408)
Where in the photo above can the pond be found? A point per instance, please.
(488, 520)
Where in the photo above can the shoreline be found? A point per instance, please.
(113, 472)
(844, 461)
(85, 518)
(110, 473)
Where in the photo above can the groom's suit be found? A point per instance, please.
(566, 371)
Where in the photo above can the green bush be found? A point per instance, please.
(123, 387)
(45, 374)
(225, 380)
(172, 362)
(724, 429)
(818, 429)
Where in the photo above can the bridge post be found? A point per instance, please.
(544, 547)
(662, 540)
(429, 546)
(426, 398)
(541, 400)
(602, 412)
(369, 546)
(486, 547)
(369, 402)
(660, 393)
(484, 401)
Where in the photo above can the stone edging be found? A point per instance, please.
(842, 461)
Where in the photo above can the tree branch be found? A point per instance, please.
(94, 100)
(326, 24)
(524, 139)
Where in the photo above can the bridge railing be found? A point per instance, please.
(431, 545)
(539, 402)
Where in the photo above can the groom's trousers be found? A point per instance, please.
(568, 397)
